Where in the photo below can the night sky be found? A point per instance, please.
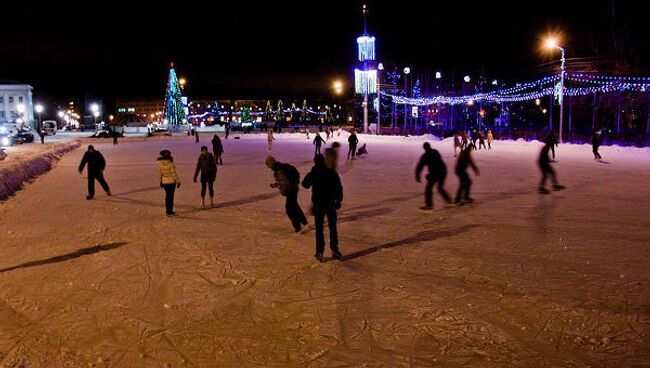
(271, 49)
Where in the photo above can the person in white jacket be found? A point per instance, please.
(169, 180)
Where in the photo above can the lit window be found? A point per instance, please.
(121, 109)
(20, 99)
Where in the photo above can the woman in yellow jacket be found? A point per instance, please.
(490, 138)
(169, 180)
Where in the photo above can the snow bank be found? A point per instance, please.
(23, 166)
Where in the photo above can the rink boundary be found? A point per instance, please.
(19, 170)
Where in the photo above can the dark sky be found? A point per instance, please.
(270, 49)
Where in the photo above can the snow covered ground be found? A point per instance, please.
(517, 279)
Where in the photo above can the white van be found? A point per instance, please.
(49, 127)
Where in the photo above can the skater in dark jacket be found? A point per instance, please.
(353, 141)
(227, 127)
(465, 161)
(547, 170)
(287, 180)
(217, 148)
(437, 174)
(96, 166)
(318, 141)
(207, 166)
(552, 141)
(362, 151)
(326, 196)
(481, 140)
(595, 144)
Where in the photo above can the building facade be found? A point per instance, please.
(151, 110)
(16, 103)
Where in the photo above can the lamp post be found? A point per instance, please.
(39, 110)
(338, 90)
(407, 71)
(551, 43)
(94, 108)
(380, 68)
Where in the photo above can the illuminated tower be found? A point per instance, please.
(365, 76)
(173, 113)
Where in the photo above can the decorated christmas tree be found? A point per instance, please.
(246, 115)
(215, 111)
(304, 117)
(417, 90)
(173, 114)
(279, 115)
(268, 112)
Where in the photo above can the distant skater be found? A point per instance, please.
(457, 144)
(287, 180)
(437, 174)
(207, 166)
(270, 138)
(463, 137)
(332, 156)
(41, 134)
(115, 136)
(490, 138)
(547, 171)
(352, 141)
(318, 141)
(196, 136)
(96, 165)
(464, 161)
(474, 137)
(481, 140)
(327, 133)
(169, 180)
(326, 196)
(217, 148)
(552, 141)
(227, 127)
(595, 144)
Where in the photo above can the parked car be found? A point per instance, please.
(49, 127)
(11, 134)
(25, 135)
(105, 134)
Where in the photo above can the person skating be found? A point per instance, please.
(327, 133)
(318, 141)
(41, 133)
(96, 165)
(362, 151)
(474, 137)
(464, 161)
(481, 140)
(196, 136)
(457, 144)
(595, 145)
(169, 180)
(207, 166)
(490, 138)
(332, 156)
(287, 180)
(326, 196)
(270, 138)
(353, 141)
(227, 127)
(552, 141)
(217, 148)
(463, 137)
(115, 135)
(437, 174)
(547, 170)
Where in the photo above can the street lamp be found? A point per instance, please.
(39, 110)
(407, 71)
(467, 79)
(551, 43)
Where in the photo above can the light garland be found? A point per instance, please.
(365, 81)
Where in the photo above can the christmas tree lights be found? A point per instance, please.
(173, 113)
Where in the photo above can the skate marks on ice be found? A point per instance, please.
(66, 257)
(420, 237)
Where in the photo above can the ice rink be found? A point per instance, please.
(517, 279)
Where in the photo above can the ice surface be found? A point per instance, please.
(516, 279)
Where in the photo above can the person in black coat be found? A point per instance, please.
(207, 166)
(552, 141)
(353, 141)
(326, 196)
(96, 165)
(318, 141)
(287, 180)
(217, 148)
(547, 171)
(437, 174)
(465, 161)
(227, 127)
(595, 144)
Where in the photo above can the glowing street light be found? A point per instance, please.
(38, 108)
(551, 43)
(20, 108)
(94, 108)
(338, 87)
(438, 75)
(182, 82)
(467, 79)
(60, 114)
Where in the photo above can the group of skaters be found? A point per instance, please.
(323, 178)
(462, 140)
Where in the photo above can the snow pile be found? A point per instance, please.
(23, 166)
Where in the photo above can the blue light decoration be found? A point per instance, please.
(365, 81)
(537, 89)
(366, 46)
